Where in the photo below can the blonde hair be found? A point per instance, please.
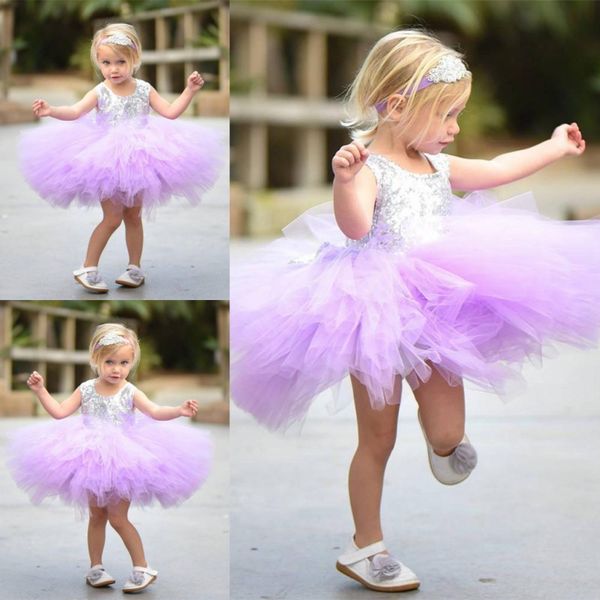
(396, 64)
(100, 350)
(133, 55)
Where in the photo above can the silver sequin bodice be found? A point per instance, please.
(117, 409)
(116, 109)
(409, 207)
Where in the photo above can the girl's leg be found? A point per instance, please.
(442, 410)
(117, 516)
(96, 533)
(376, 438)
(112, 217)
(134, 233)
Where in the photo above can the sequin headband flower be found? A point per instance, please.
(449, 69)
(119, 39)
(110, 339)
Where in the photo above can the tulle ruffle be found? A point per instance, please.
(145, 462)
(141, 161)
(501, 285)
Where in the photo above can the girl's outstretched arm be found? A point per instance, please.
(163, 413)
(175, 108)
(467, 174)
(66, 113)
(58, 410)
(354, 190)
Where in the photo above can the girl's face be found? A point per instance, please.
(440, 131)
(113, 65)
(115, 368)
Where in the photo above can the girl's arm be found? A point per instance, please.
(175, 108)
(58, 410)
(354, 191)
(163, 413)
(467, 174)
(66, 113)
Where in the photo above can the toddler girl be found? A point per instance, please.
(411, 284)
(119, 157)
(112, 455)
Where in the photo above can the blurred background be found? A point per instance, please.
(184, 350)
(535, 65)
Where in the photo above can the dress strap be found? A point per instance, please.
(440, 162)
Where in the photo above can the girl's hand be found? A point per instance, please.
(195, 82)
(348, 161)
(35, 382)
(570, 139)
(41, 108)
(189, 408)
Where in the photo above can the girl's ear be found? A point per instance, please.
(395, 106)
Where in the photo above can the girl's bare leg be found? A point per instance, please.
(442, 410)
(376, 438)
(96, 533)
(112, 217)
(117, 516)
(134, 233)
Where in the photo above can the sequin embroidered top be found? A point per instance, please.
(117, 409)
(115, 109)
(409, 206)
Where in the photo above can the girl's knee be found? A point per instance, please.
(118, 522)
(98, 515)
(445, 439)
(132, 217)
(112, 221)
(379, 444)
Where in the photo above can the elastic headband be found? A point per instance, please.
(119, 39)
(110, 339)
(449, 69)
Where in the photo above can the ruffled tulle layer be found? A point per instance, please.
(499, 286)
(137, 162)
(147, 462)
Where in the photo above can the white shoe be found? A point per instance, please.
(375, 570)
(97, 577)
(133, 277)
(90, 279)
(140, 579)
(454, 468)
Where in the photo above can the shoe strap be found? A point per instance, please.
(83, 270)
(361, 553)
(146, 570)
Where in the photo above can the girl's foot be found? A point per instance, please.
(90, 279)
(97, 577)
(376, 569)
(133, 277)
(454, 468)
(140, 578)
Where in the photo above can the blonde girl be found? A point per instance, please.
(117, 452)
(111, 153)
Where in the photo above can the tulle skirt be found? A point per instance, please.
(81, 461)
(140, 161)
(500, 285)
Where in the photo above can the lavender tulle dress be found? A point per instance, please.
(469, 287)
(122, 153)
(109, 453)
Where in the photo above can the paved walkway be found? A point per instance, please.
(524, 526)
(44, 552)
(186, 250)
